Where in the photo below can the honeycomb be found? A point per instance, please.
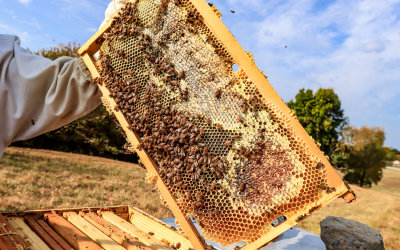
(225, 153)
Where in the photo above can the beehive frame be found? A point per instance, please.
(246, 65)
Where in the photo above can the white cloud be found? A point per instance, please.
(352, 46)
(33, 22)
(26, 2)
(4, 27)
(92, 29)
(78, 11)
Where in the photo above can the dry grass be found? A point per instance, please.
(378, 207)
(34, 179)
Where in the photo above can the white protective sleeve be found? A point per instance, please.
(38, 95)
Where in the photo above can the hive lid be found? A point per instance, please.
(219, 144)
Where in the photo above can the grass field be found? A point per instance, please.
(32, 179)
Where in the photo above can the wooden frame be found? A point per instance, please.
(246, 63)
(116, 227)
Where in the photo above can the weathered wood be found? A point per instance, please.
(27, 234)
(161, 232)
(114, 232)
(34, 225)
(70, 233)
(11, 240)
(54, 234)
(127, 227)
(95, 234)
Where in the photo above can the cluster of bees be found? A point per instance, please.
(172, 139)
(175, 140)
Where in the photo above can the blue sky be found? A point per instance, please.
(351, 46)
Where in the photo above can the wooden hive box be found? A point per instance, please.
(116, 227)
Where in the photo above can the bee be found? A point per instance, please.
(170, 71)
(201, 224)
(232, 11)
(227, 143)
(218, 174)
(240, 119)
(242, 187)
(178, 2)
(121, 53)
(218, 93)
(253, 190)
(301, 217)
(319, 165)
(330, 190)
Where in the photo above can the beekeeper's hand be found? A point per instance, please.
(38, 95)
(113, 7)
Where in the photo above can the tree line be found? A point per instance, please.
(357, 152)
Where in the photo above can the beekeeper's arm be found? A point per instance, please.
(38, 95)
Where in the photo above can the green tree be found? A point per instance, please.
(365, 156)
(93, 134)
(321, 115)
(393, 154)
